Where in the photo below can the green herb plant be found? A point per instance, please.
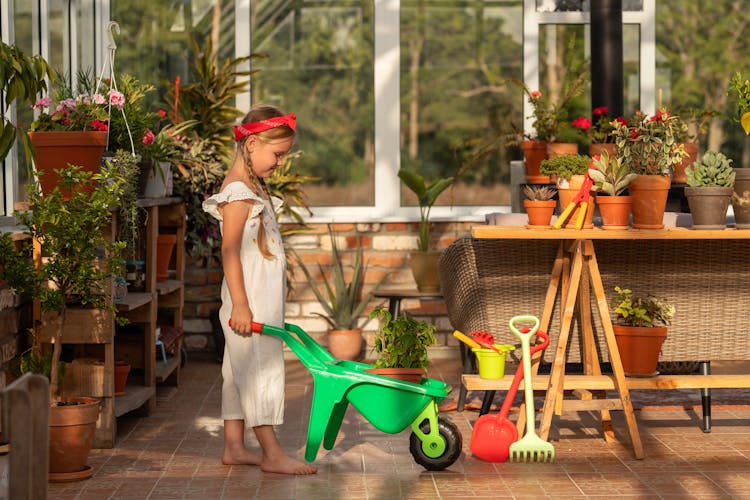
(402, 342)
(632, 310)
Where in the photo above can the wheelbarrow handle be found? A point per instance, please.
(256, 327)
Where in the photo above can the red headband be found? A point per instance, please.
(246, 129)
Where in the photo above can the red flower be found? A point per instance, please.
(99, 125)
(162, 113)
(148, 137)
(535, 94)
(633, 133)
(582, 123)
(622, 120)
(600, 111)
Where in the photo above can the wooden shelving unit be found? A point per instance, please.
(102, 340)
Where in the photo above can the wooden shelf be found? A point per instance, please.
(164, 370)
(132, 301)
(134, 398)
(168, 286)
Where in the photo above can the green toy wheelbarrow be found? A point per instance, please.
(390, 405)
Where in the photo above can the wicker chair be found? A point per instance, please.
(486, 282)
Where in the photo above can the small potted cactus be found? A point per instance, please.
(539, 204)
(710, 183)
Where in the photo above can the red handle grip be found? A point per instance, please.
(257, 327)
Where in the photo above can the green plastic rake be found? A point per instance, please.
(530, 448)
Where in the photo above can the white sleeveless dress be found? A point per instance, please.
(253, 367)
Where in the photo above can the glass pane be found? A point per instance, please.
(22, 23)
(320, 66)
(456, 60)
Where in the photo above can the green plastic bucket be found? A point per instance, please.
(492, 364)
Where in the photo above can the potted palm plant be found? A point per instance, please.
(73, 285)
(343, 300)
(401, 344)
(710, 183)
(611, 178)
(640, 330)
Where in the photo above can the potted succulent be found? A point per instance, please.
(73, 285)
(640, 329)
(710, 184)
(539, 204)
(570, 172)
(340, 293)
(401, 344)
(611, 178)
(648, 145)
(740, 89)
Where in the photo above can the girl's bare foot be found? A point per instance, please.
(240, 456)
(284, 464)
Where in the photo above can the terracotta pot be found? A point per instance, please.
(55, 150)
(407, 374)
(164, 246)
(122, 369)
(71, 435)
(561, 148)
(678, 172)
(639, 348)
(566, 195)
(424, 268)
(597, 148)
(649, 194)
(708, 205)
(540, 212)
(534, 152)
(741, 198)
(615, 211)
(345, 344)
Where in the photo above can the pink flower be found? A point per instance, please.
(582, 123)
(99, 99)
(116, 99)
(43, 103)
(535, 94)
(148, 137)
(600, 111)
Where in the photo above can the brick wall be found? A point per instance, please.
(386, 249)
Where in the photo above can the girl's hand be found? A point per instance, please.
(241, 321)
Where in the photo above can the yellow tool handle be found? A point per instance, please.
(581, 214)
(465, 339)
(561, 219)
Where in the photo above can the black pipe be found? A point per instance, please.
(607, 88)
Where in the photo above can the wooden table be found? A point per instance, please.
(574, 272)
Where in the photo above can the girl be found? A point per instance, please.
(254, 289)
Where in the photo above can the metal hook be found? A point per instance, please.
(112, 29)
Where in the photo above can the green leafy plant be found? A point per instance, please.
(22, 77)
(126, 167)
(713, 169)
(342, 299)
(80, 261)
(566, 166)
(539, 193)
(632, 310)
(402, 342)
(741, 89)
(609, 174)
(649, 144)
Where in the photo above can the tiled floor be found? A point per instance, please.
(174, 453)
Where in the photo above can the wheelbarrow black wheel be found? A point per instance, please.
(453, 444)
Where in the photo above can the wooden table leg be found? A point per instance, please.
(614, 354)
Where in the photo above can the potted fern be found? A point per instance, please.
(710, 183)
(342, 299)
(401, 344)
